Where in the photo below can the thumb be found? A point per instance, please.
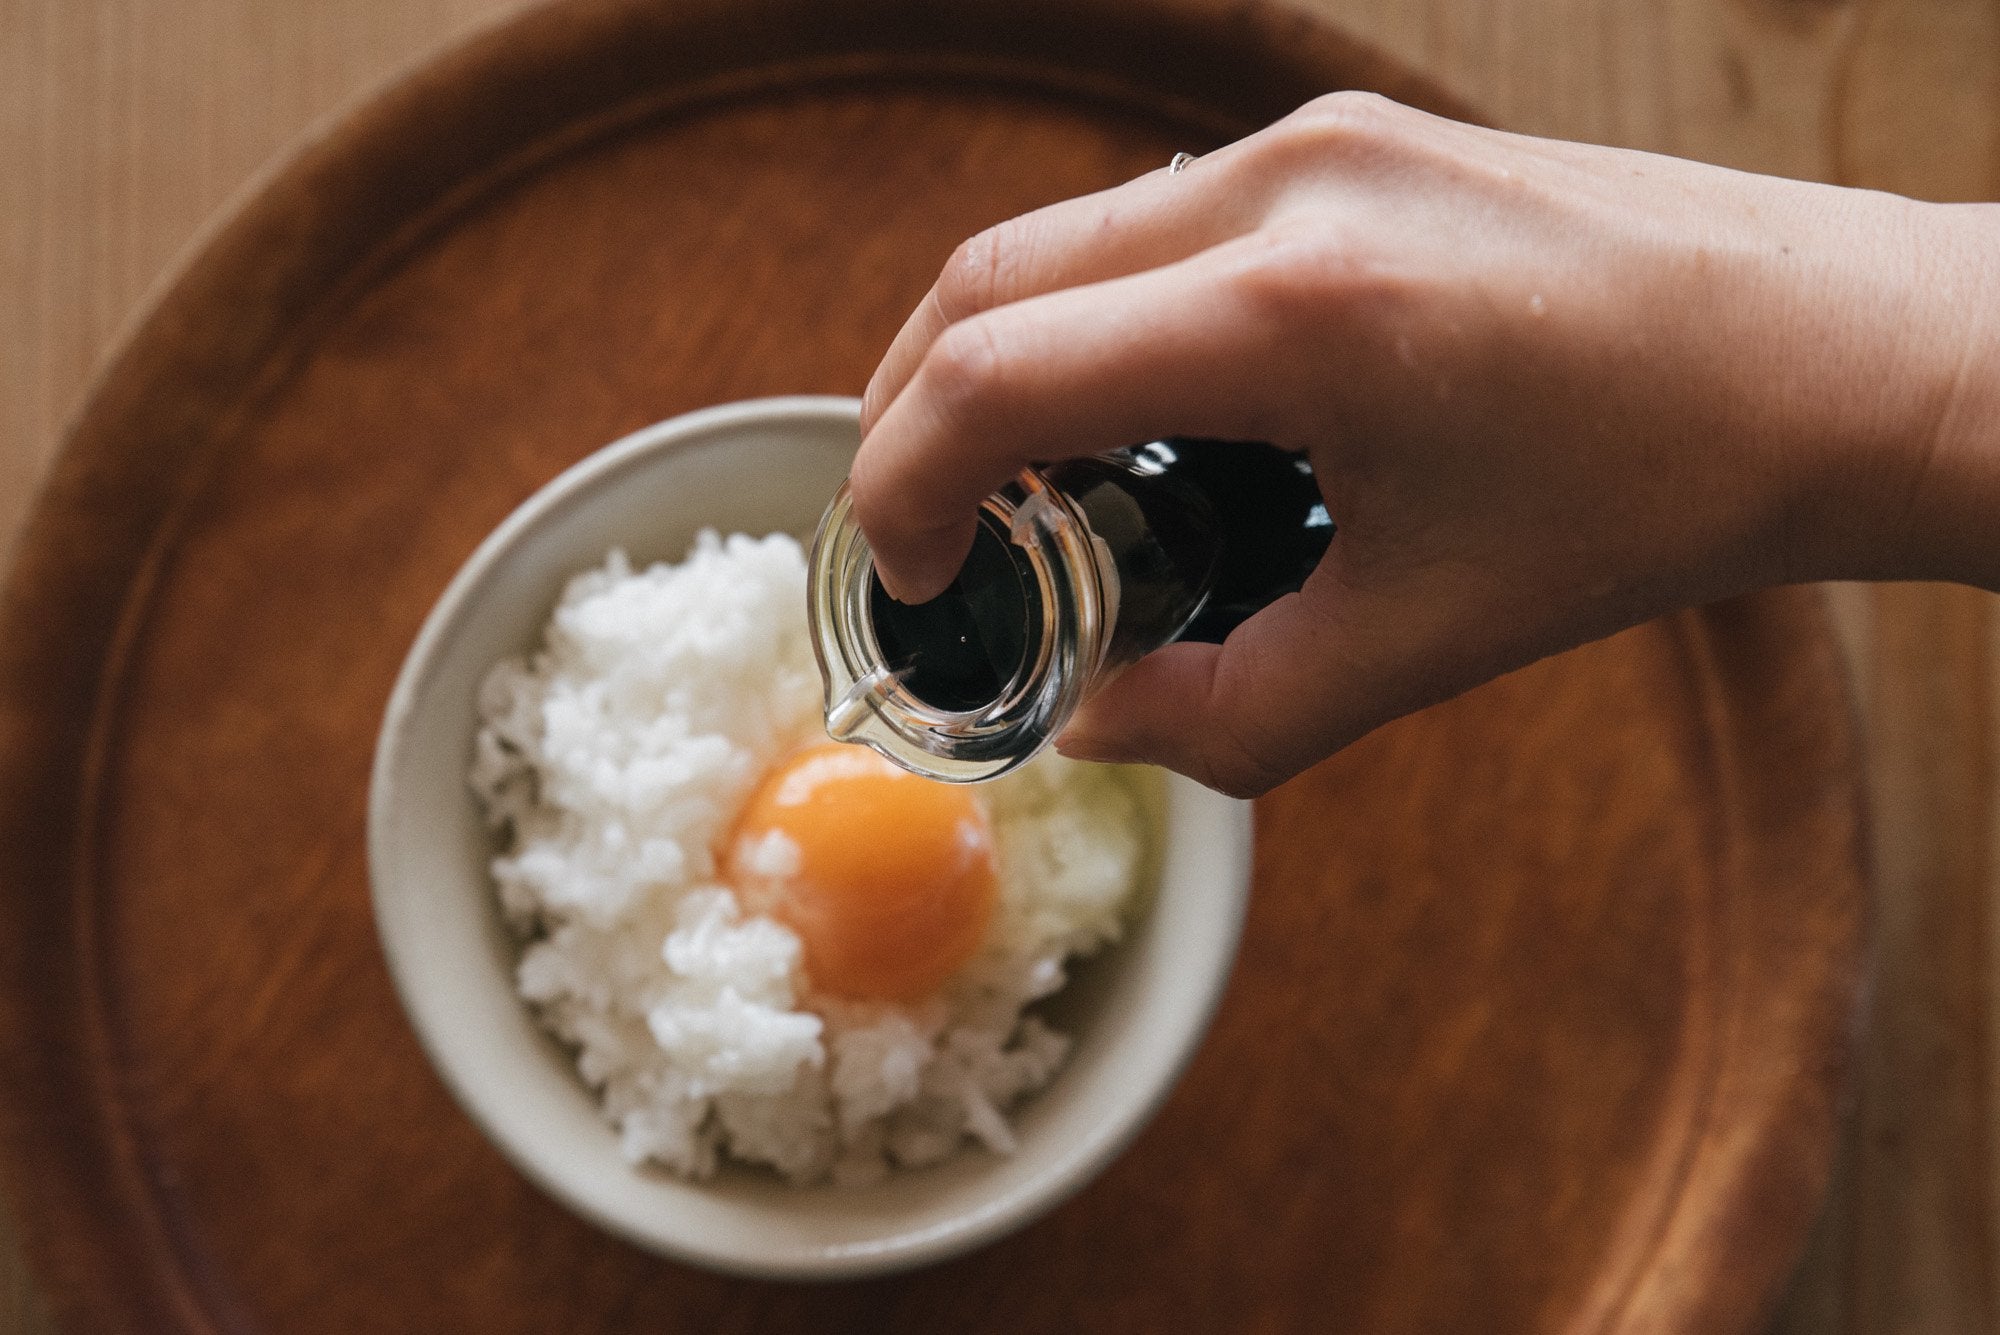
(1280, 694)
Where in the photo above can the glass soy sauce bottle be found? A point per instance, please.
(1076, 570)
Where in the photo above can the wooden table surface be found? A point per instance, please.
(126, 124)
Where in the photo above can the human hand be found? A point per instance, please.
(1549, 391)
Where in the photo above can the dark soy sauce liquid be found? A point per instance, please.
(960, 650)
(1202, 534)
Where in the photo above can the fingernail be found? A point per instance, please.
(919, 586)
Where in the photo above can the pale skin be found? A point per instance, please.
(1550, 391)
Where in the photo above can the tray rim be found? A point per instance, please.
(100, 1218)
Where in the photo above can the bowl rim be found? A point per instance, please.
(1067, 1171)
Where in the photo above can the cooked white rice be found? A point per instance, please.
(612, 763)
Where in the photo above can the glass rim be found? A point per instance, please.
(866, 702)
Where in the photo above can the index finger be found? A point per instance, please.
(1179, 350)
(1144, 223)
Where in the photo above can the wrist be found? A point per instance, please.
(1953, 525)
(1909, 481)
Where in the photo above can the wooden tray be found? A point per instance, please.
(1546, 995)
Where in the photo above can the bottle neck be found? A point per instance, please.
(978, 681)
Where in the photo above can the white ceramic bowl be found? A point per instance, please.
(1138, 1010)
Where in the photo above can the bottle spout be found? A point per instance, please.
(846, 715)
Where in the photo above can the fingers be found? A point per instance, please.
(1187, 348)
(1140, 225)
(1319, 669)
(1280, 694)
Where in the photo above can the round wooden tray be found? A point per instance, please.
(1546, 993)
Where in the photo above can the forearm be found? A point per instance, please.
(1954, 511)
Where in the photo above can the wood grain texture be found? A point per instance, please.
(1934, 1211)
(1594, 939)
(125, 123)
(124, 126)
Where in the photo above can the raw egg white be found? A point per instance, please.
(887, 878)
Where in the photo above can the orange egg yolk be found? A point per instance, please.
(886, 877)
